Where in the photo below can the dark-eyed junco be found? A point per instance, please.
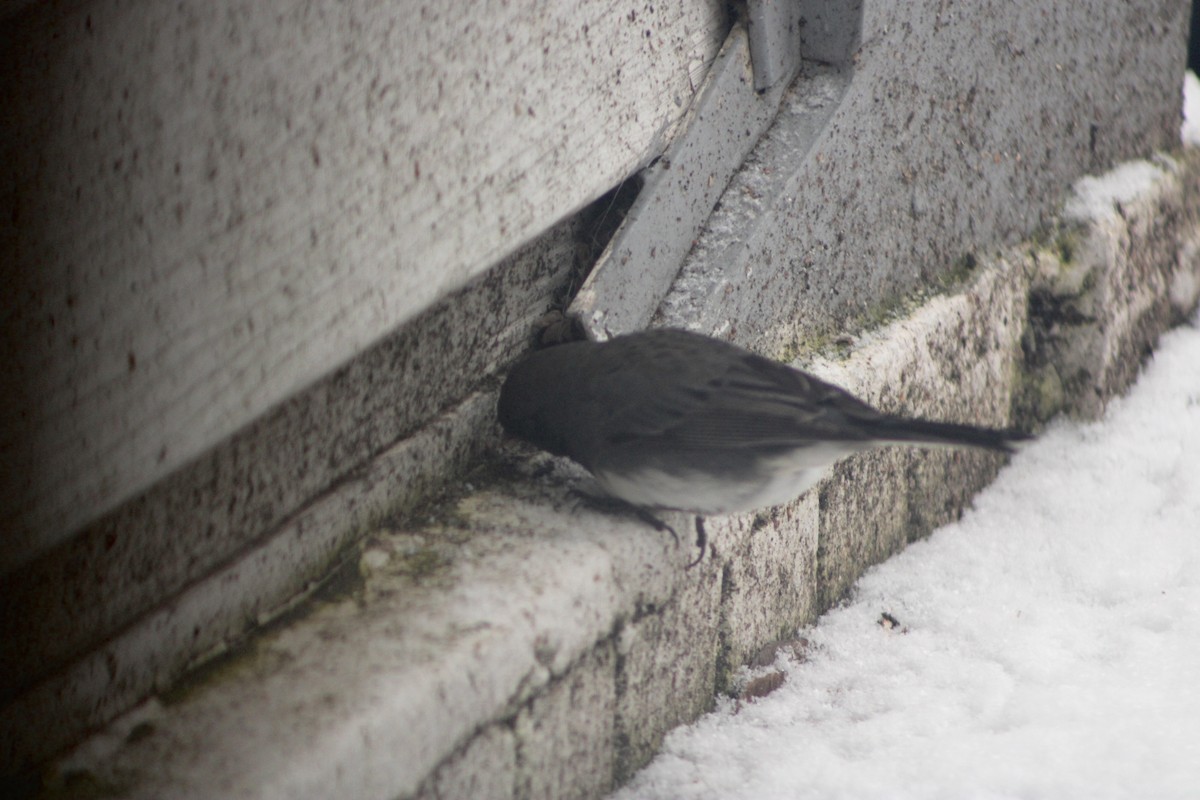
(669, 419)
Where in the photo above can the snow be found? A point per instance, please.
(1093, 197)
(1048, 644)
(1096, 196)
(1190, 130)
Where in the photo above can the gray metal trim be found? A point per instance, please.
(681, 188)
(738, 103)
(774, 27)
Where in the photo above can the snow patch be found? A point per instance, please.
(1097, 197)
(1189, 131)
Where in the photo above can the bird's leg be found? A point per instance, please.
(615, 504)
(701, 541)
(654, 522)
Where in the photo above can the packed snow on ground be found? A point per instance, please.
(1048, 644)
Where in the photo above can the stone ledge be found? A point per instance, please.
(519, 645)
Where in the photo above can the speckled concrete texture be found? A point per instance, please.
(211, 204)
(96, 633)
(667, 666)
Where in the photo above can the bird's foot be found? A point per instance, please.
(610, 505)
(701, 541)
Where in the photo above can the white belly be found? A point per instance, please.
(778, 481)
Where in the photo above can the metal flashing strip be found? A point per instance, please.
(774, 27)
(679, 192)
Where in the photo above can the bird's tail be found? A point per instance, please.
(947, 434)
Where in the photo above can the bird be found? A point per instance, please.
(667, 419)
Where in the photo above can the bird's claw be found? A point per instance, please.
(701, 541)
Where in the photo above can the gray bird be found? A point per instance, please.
(674, 420)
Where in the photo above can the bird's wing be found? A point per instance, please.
(747, 402)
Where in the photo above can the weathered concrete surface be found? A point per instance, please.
(209, 205)
(1092, 327)
(96, 633)
(957, 357)
(514, 643)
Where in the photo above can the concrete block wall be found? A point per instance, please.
(959, 133)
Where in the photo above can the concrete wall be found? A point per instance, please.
(210, 205)
(194, 309)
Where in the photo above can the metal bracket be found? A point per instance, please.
(774, 27)
(679, 192)
(738, 103)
